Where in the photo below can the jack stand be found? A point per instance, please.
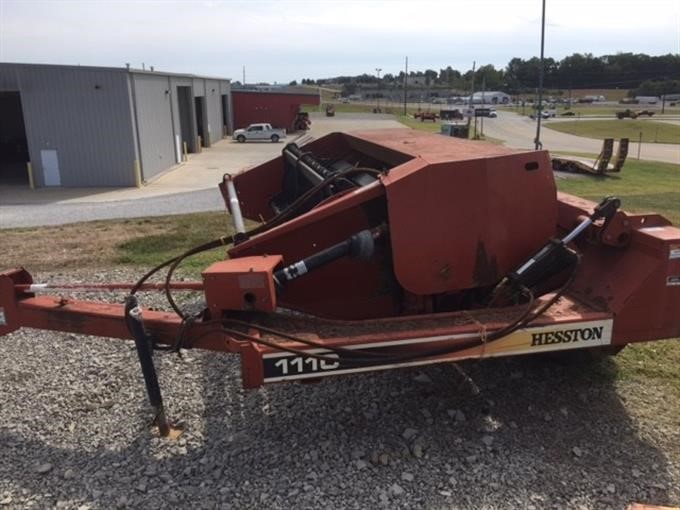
(133, 315)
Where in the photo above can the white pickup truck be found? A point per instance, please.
(259, 132)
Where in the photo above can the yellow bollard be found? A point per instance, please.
(29, 169)
(138, 174)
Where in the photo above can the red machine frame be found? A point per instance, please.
(626, 290)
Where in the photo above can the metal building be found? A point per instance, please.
(98, 126)
(279, 108)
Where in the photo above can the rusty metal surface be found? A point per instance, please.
(465, 223)
(241, 284)
(349, 332)
(432, 148)
(639, 281)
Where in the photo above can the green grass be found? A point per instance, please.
(655, 132)
(654, 361)
(183, 232)
(643, 186)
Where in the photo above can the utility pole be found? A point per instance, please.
(539, 112)
(244, 76)
(472, 93)
(377, 88)
(569, 103)
(405, 85)
(483, 101)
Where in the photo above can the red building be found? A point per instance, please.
(277, 108)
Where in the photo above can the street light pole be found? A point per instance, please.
(405, 85)
(539, 112)
(377, 94)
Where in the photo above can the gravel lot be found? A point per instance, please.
(537, 434)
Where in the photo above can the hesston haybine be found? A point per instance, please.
(384, 249)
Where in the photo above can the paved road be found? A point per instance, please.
(59, 213)
(519, 132)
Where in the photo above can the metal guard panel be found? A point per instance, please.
(463, 224)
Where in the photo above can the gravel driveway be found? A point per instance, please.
(538, 434)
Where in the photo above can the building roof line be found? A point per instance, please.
(130, 70)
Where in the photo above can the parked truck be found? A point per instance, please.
(259, 132)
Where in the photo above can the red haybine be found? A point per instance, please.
(385, 249)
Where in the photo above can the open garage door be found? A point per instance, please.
(13, 142)
(186, 123)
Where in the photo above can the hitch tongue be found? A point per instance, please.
(143, 343)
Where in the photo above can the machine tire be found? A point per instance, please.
(240, 138)
(275, 138)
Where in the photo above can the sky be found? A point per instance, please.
(284, 40)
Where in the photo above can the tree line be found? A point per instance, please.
(577, 71)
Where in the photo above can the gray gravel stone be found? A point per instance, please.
(43, 468)
(409, 433)
(396, 490)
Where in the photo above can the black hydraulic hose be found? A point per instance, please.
(360, 246)
(304, 341)
(222, 241)
(356, 355)
(370, 359)
(277, 220)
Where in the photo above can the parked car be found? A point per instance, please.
(259, 132)
(545, 114)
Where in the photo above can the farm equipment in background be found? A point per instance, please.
(423, 116)
(633, 114)
(379, 250)
(451, 114)
(302, 122)
(601, 165)
(626, 114)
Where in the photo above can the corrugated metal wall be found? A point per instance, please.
(154, 124)
(214, 110)
(83, 114)
(101, 120)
